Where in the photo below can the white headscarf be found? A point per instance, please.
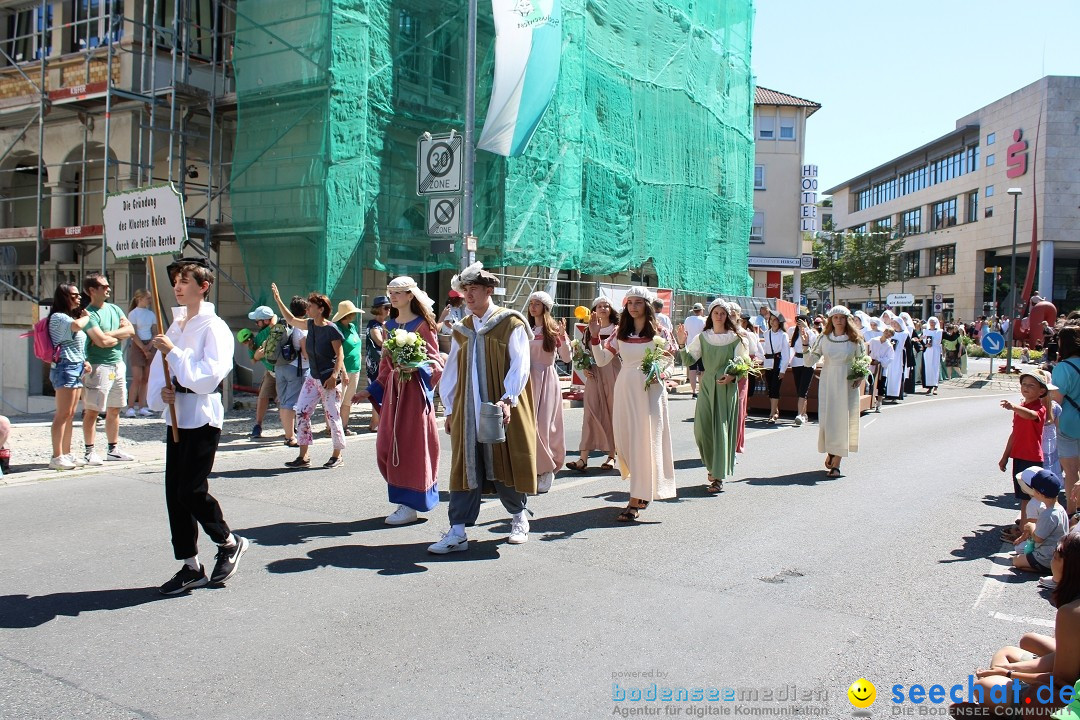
(596, 301)
(937, 323)
(905, 320)
(864, 319)
(640, 292)
(407, 283)
(542, 297)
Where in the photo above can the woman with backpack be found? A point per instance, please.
(1066, 376)
(67, 322)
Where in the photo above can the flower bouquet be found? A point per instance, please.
(741, 367)
(583, 359)
(408, 352)
(656, 361)
(860, 368)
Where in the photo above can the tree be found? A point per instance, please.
(873, 257)
(833, 267)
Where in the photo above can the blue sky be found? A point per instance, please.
(892, 76)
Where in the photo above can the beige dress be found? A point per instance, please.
(838, 401)
(641, 422)
(547, 402)
(596, 428)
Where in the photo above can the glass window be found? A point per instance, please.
(410, 65)
(759, 177)
(989, 159)
(988, 211)
(25, 39)
(766, 127)
(910, 264)
(447, 61)
(757, 227)
(991, 138)
(943, 260)
(973, 206)
(787, 128)
(989, 191)
(943, 214)
(911, 222)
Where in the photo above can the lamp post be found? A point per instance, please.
(1016, 193)
(994, 271)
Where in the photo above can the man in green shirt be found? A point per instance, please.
(106, 384)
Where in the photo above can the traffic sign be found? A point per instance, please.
(438, 164)
(900, 299)
(937, 308)
(443, 217)
(993, 343)
(938, 297)
(870, 305)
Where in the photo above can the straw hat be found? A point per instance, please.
(345, 307)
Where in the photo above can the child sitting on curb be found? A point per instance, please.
(1044, 486)
(1025, 442)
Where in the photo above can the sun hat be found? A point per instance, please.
(405, 282)
(243, 335)
(345, 307)
(1040, 376)
(698, 306)
(380, 301)
(261, 313)
(454, 294)
(1040, 480)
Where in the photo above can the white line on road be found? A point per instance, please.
(1022, 619)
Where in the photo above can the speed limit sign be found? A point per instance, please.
(438, 164)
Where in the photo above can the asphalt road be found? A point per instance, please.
(788, 578)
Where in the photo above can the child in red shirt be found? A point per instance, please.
(1025, 441)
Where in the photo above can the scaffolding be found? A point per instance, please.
(98, 96)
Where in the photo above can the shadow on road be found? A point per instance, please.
(385, 559)
(1005, 500)
(807, 477)
(984, 542)
(565, 527)
(251, 473)
(297, 533)
(27, 611)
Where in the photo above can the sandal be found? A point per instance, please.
(828, 461)
(630, 513)
(609, 464)
(833, 472)
(578, 465)
(292, 443)
(715, 487)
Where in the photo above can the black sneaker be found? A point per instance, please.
(299, 463)
(228, 559)
(184, 580)
(334, 462)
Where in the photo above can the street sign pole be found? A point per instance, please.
(468, 256)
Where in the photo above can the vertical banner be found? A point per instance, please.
(528, 43)
(773, 283)
(808, 200)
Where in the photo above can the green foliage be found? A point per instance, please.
(872, 258)
(976, 351)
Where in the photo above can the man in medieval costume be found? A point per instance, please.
(487, 373)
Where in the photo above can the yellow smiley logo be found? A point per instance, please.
(862, 693)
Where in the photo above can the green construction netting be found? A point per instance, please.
(646, 153)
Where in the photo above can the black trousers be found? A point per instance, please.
(803, 377)
(772, 379)
(187, 491)
(465, 504)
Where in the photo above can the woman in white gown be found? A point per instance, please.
(838, 396)
(897, 369)
(641, 421)
(931, 360)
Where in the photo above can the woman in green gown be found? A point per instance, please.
(716, 418)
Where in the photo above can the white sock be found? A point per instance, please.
(231, 542)
(518, 517)
(458, 530)
(193, 563)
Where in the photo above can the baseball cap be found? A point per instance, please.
(698, 306)
(1042, 377)
(1043, 481)
(244, 335)
(261, 313)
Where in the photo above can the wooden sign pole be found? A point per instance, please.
(162, 328)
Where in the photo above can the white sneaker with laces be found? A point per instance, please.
(129, 413)
(61, 462)
(519, 530)
(119, 454)
(449, 543)
(79, 462)
(92, 458)
(798, 420)
(1048, 582)
(145, 412)
(402, 516)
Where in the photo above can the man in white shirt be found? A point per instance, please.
(489, 358)
(694, 325)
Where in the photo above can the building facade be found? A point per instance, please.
(777, 241)
(950, 201)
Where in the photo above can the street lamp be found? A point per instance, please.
(1016, 193)
(994, 271)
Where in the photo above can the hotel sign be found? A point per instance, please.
(805, 262)
(808, 199)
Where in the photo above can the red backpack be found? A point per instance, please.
(44, 348)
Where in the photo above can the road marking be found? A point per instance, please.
(1022, 619)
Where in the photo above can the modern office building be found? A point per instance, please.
(777, 241)
(950, 200)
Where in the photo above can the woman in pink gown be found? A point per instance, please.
(407, 446)
(549, 338)
(596, 429)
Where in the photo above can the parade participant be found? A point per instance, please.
(912, 353)
(869, 328)
(716, 416)
(326, 361)
(641, 421)
(693, 326)
(746, 384)
(105, 386)
(67, 321)
(599, 402)
(199, 349)
(548, 339)
(1024, 446)
(265, 320)
(802, 339)
(952, 345)
(140, 352)
(346, 316)
(931, 337)
(374, 336)
(881, 356)
(897, 369)
(407, 447)
(777, 359)
(487, 369)
(838, 394)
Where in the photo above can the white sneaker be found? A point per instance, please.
(799, 420)
(79, 462)
(1048, 582)
(129, 413)
(519, 529)
(543, 482)
(449, 543)
(92, 458)
(119, 454)
(145, 412)
(402, 516)
(61, 462)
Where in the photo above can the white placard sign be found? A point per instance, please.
(808, 199)
(147, 221)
